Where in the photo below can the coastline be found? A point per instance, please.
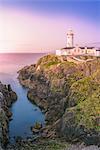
(7, 97)
(47, 89)
(39, 80)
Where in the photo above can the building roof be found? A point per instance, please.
(75, 47)
(67, 48)
(86, 47)
(97, 48)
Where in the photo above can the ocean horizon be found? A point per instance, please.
(10, 63)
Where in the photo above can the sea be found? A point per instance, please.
(25, 114)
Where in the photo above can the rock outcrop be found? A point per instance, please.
(69, 94)
(7, 97)
(49, 144)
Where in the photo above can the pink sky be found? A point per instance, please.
(22, 31)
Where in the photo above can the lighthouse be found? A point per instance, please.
(70, 38)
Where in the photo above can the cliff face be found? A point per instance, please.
(7, 97)
(69, 94)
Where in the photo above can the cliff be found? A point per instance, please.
(69, 94)
(7, 97)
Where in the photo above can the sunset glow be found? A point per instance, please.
(22, 30)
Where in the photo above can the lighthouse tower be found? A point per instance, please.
(70, 38)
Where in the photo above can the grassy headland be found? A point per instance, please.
(69, 94)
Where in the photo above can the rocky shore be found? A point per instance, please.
(50, 144)
(69, 94)
(7, 97)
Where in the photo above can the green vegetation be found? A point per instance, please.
(82, 89)
(52, 145)
(88, 111)
(74, 97)
(96, 76)
(46, 144)
(65, 77)
(85, 95)
(38, 125)
(48, 61)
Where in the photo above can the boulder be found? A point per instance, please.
(36, 128)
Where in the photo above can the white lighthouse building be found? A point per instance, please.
(70, 38)
(71, 50)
